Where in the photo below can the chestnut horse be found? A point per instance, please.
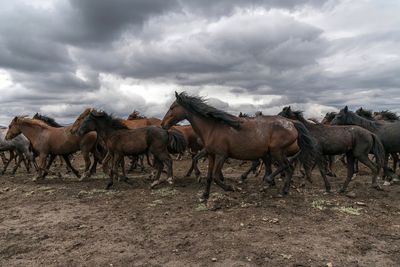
(47, 140)
(122, 141)
(225, 135)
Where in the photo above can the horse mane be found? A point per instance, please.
(365, 113)
(243, 115)
(33, 122)
(136, 115)
(353, 118)
(330, 115)
(111, 121)
(199, 106)
(388, 115)
(48, 120)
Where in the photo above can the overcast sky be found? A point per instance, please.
(58, 57)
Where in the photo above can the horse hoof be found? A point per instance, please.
(203, 198)
(154, 184)
(386, 183)
(170, 180)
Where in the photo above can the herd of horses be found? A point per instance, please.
(285, 140)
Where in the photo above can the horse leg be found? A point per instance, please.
(206, 193)
(94, 165)
(253, 168)
(12, 155)
(41, 167)
(268, 169)
(113, 170)
(375, 171)
(395, 161)
(218, 177)
(124, 178)
(105, 163)
(350, 170)
(3, 158)
(66, 159)
(133, 164)
(259, 169)
(27, 163)
(331, 159)
(322, 165)
(159, 166)
(86, 158)
(20, 158)
(194, 166)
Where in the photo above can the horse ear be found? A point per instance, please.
(346, 109)
(289, 108)
(176, 95)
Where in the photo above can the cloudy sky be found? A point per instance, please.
(59, 56)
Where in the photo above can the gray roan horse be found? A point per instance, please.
(20, 145)
(388, 132)
(227, 136)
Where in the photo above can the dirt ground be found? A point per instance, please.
(64, 222)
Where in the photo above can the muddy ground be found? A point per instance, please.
(64, 222)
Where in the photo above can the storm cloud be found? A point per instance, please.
(58, 57)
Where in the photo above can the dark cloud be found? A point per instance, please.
(59, 57)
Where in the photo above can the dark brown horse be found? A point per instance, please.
(227, 136)
(354, 141)
(121, 141)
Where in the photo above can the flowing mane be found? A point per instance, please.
(135, 115)
(355, 119)
(199, 106)
(365, 113)
(388, 115)
(48, 120)
(110, 120)
(24, 119)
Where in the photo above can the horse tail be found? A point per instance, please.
(176, 142)
(309, 153)
(378, 150)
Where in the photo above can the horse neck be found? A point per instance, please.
(105, 131)
(365, 123)
(30, 130)
(201, 126)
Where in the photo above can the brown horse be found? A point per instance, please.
(225, 135)
(47, 140)
(121, 141)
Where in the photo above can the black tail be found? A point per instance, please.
(379, 151)
(309, 153)
(176, 142)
